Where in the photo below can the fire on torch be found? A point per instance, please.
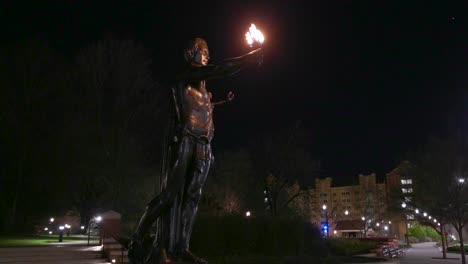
(254, 36)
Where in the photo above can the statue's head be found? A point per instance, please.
(197, 52)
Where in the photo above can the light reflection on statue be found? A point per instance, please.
(188, 158)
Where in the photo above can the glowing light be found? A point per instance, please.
(52, 220)
(435, 220)
(386, 227)
(425, 214)
(389, 222)
(50, 232)
(113, 260)
(430, 217)
(461, 180)
(378, 224)
(82, 227)
(438, 224)
(363, 218)
(324, 207)
(403, 205)
(334, 232)
(98, 219)
(254, 35)
(416, 211)
(45, 228)
(247, 213)
(346, 212)
(61, 227)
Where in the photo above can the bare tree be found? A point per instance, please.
(29, 79)
(280, 160)
(232, 187)
(115, 86)
(439, 177)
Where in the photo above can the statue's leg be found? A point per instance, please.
(162, 202)
(192, 197)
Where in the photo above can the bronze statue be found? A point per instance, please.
(188, 158)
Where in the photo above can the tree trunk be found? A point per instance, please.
(444, 249)
(462, 245)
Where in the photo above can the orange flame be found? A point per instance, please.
(254, 35)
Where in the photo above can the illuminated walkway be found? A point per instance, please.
(428, 253)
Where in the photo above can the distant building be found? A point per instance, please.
(360, 210)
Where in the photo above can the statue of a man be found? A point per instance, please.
(188, 159)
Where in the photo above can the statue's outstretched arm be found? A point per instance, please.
(229, 98)
(226, 68)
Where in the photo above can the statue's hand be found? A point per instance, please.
(230, 96)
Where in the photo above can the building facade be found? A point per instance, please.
(358, 210)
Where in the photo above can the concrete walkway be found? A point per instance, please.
(428, 253)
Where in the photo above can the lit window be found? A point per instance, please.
(404, 190)
(409, 181)
(410, 190)
(403, 181)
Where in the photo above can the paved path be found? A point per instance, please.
(428, 253)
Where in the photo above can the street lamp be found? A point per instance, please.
(461, 180)
(346, 212)
(325, 227)
(406, 224)
(61, 233)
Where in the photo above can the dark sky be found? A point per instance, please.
(368, 79)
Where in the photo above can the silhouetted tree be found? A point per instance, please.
(440, 170)
(231, 188)
(114, 87)
(32, 78)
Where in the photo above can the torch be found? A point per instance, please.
(254, 37)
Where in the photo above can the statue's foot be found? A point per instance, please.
(136, 253)
(190, 257)
(164, 258)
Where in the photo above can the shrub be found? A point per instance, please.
(350, 246)
(237, 235)
(456, 249)
(413, 240)
(427, 239)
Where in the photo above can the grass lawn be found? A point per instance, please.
(42, 240)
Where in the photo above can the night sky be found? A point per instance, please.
(367, 79)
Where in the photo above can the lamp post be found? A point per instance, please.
(325, 226)
(403, 205)
(60, 238)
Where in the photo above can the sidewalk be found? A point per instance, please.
(428, 253)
